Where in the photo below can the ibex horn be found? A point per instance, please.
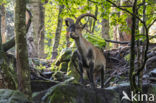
(83, 15)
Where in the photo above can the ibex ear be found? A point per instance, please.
(67, 22)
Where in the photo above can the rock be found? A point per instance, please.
(59, 76)
(63, 66)
(74, 93)
(9, 78)
(64, 56)
(63, 59)
(33, 62)
(73, 68)
(12, 96)
(73, 72)
(40, 85)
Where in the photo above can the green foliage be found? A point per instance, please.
(3, 2)
(141, 37)
(96, 40)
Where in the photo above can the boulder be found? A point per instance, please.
(12, 96)
(59, 76)
(63, 59)
(76, 93)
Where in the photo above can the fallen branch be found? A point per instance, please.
(112, 75)
(118, 42)
(9, 44)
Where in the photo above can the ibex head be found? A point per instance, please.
(74, 30)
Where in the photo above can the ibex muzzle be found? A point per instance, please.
(89, 56)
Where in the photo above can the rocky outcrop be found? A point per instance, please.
(75, 93)
(11, 96)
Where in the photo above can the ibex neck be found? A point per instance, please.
(80, 43)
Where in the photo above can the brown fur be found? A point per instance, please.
(89, 53)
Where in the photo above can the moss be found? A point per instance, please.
(64, 56)
(63, 94)
(127, 57)
(58, 76)
(9, 76)
(63, 67)
(71, 71)
(12, 96)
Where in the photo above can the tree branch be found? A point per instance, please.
(151, 23)
(118, 42)
(9, 44)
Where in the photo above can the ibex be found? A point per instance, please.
(89, 56)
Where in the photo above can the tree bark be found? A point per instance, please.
(3, 23)
(116, 30)
(41, 32)
(96, 13)
(38, 27)
(132, 51)
(22, 64)
(105, 30)
(115, 35)
(126, 35)
(0, 38)
(58, 33)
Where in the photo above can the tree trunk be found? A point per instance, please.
(96, 13)
(22, 64)
(41, 32)
(3, 23)
(38, 27)
(115, 35)
(58, 33)
(126, 35)
(0, 38)
(105, 30)
(116, 30)
(132, 51)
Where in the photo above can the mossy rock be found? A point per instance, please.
(74, 93)
(65, 92)
(12, 96)
(63, 67)
(64, 56)
(8, 75)
(71, 71)
(59, 76)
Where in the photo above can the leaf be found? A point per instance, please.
(95, 40)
